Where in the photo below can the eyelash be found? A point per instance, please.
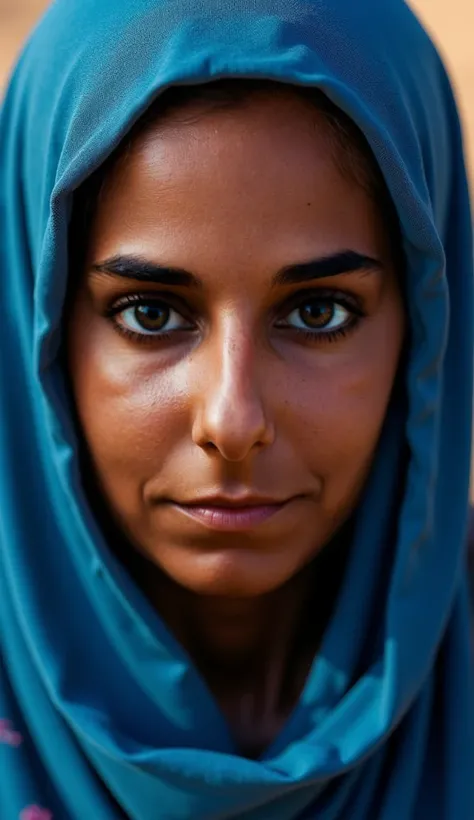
(349, 303)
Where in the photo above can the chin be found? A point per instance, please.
(230, 573)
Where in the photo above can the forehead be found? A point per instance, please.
(263, 173)
(245, 104)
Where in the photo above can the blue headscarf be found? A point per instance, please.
(102, 715)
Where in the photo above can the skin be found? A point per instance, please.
(234, 401)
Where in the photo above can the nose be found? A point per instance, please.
(231, 416)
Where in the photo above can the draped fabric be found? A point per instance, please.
(102, 715)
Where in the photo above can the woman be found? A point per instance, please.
(235, 415)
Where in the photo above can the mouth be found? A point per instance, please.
(232, 515)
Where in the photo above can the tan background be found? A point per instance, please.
(451, 22)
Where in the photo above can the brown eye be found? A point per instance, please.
(150, 318)
(317, 314)
(323, 315)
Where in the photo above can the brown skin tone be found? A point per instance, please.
(234, 401)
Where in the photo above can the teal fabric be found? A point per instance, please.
(102, 715)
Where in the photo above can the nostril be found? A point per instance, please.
(209, 445)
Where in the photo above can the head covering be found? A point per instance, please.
(102, 713)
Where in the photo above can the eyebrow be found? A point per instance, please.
(143, 270)
(335, 264)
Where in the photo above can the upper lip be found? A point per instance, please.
(234, 501)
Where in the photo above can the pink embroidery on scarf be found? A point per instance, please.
(8, 734)
(35, 813)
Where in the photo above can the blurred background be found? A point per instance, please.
(451, 22)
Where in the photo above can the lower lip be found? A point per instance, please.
(231, 519)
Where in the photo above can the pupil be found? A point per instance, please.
(317, 314)
(151, 317)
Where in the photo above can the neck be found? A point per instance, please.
(254, 653)
(233, 634)
(244, 649)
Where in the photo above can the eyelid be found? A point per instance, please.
(347, 300)
(133, 299)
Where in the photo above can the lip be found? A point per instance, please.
(232, 515)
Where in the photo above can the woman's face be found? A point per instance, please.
(233, 344)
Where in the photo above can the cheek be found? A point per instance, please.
(341, 399)
(130, 415)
